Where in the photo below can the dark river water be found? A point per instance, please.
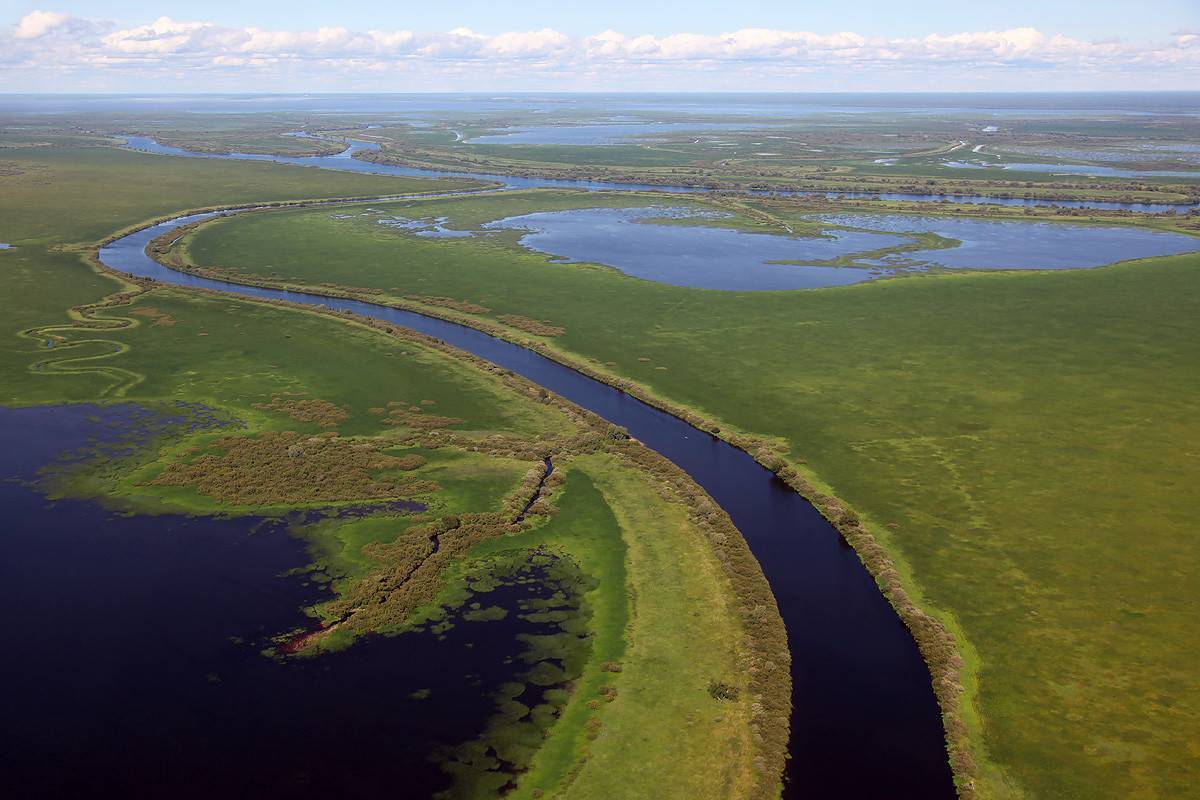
(133, 667)
(865, 721)
(346, 161)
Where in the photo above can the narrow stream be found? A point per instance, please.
(865, 721)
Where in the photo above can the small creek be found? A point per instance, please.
(865, 721)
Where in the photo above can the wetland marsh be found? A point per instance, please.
(593, 533)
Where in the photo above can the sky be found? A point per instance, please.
(651, 45)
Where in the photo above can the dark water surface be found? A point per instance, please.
(132, 664)
(865, 721)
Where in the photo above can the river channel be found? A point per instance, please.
(347, 161)
(865, 720)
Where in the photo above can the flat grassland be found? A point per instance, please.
(68, 194)
(1023, 443)
(341, 413)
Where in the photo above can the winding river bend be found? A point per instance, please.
(865, 722)
(346, 161)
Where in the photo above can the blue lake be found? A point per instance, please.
(688, 255)
(605, 134)
(1016, 244)
(712, 257)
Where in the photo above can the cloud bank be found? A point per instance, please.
(50, 51)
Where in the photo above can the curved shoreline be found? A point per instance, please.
(935, 643)
(764, 646)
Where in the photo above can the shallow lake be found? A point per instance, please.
(139, 674)
(691, 255)
(713, 257)
(1016, 244)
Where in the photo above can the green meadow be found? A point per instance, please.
(76, 194)
(1021, 443)
(325, 411)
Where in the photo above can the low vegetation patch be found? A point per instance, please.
(534, 326)
(279, 468)
(322, 412)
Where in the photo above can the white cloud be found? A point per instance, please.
(157, 52)
(39, 23)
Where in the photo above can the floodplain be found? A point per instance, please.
(987, 397)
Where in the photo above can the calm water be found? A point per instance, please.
(1080, 169)
(346, 161)
(1016, 244)
(134, 667)
(602, 134)
(706, 257)
(865, 720)
(690, 255)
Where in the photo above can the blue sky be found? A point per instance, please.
(651, 45)
(1097, 19)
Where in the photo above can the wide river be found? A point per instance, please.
(865, 721)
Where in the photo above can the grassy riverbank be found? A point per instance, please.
(1013, 439)
(328, 413)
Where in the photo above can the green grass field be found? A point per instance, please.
(68, 194)
(333, 385)
(664, 675)
(1021, 443)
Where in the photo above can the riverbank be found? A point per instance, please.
(939, 408)
(769, 689)
(876, 680)
(162, 345)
